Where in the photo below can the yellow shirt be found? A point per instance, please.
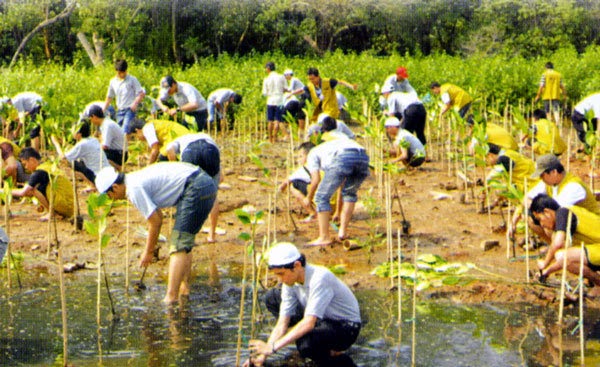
(547, 138)
(552, 85)
(458, 97)
(498, 135)
(167, 131)
(63, 190)
(329, 103)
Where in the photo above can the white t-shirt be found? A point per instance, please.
(186, 93)
(26, 101)
(398, 102)
(416, 147)
(90, 152)
(591, 102)
(570, 195)
(157, 186)
(391, 83)
(274, 87)
(181, 143)
(300, 174)
(113, 136)
(125, 91)
(220, 95)
(321, 156)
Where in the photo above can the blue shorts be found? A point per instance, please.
(193, 207)
(204, 155)
(274, 113)
(349, 168)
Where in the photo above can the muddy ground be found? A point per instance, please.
(447, 225)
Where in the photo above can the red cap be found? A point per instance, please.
(402, 72)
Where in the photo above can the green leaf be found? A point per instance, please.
(105, 239)
(243, 216)
(91, 228)
(451, 280)
(244, 236)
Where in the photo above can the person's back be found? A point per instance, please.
(458, 96)
(547, 138)
(166, 131)
(498, 135)
(552, 90)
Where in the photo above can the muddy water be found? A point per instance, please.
(203, 332)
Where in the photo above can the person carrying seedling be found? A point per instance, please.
(187, 98)
(585, 237)
(406, 148)
(299, 180)
(185, 186)
(128, 93)
(40, 186)
(28, 105)
(567, 189)
(157, 134)
(112, 136)
(545, 136)
(87, 155)
(219, 102)
(345, 164)
(201, 150)
(313, 308)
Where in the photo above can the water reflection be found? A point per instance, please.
(203, 331)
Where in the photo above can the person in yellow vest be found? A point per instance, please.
(567, 189)
(584, 231)
(322, 94)
(40, 185)
(545, 136)
(551, 90)
(158, 134)
(453, 97)
(518, 167)
(11, 166)
(494, 134)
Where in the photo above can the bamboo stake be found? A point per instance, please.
(6, 226)
(127, 225)
(414, 309)
(563, 280)
(388, 230)
(399, 250)
(63, 307)
(527, 265)
(241, 315)
(581, 319)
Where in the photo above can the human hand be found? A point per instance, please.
(254, 361)
(172, 111)
(307, 202)
(541, 265)
(260, 348)
(146, 259)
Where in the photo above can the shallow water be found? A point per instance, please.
(204, 331)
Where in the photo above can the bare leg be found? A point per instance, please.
(272, 130)
(179, 268)
(324, 238)
(213, 216)
(301, 125)
(35, 143)
(347, 210)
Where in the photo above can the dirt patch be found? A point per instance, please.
(442, 214)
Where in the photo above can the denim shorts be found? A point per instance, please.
(349, 168)
(204, 155)
(125, 118)
(193, 207)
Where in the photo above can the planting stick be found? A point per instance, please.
(269, 220)
(399, 251)
(563, 279)
(241, 315)
(388, 225)
(63, 306)
(414, 307)
(127, 246)
(526, 231)
(112, 306)
(581, 319)
(569, 150)
(6, 198)
(99, 280)
(254, 293)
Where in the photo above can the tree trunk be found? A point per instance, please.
(174, 30)
(126, 30)
(96, 53)
(313, 44)
(63, 14)
(47, 37)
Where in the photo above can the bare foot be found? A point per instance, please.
(45, 217)
(184, 290)
(211, 239)
(169, 301)
(308, 219)
(320, 242)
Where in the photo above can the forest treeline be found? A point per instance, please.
(89, 32)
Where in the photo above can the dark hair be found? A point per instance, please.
(434, 85)
(84, 130)
(237, 98)
(329, 124)
(121, 65)
(134, 125)
(95, 110)
(6, 149)
(541, 202)
(306, 146)
(313, 71)
(549, 65)
(558, 167)
(168, 80)
(539, 114)
(290, 266)
(119, 180)
(494, 149)
(30, 152)
(270, 65)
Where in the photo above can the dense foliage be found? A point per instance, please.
(494, 81)
(184, 31)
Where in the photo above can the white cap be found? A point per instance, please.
(105, 178)
(392, 122)
(387, 89)
(283, 253)
(322, 116)
(288, 72)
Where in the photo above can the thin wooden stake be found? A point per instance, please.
(414, 309)
(581, 319)
(563, 280)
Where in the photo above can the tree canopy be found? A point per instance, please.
(183, 31)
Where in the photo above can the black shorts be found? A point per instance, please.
(301, 186)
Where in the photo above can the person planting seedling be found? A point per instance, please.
(191, 190)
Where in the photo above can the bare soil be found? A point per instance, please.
(449, 226)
